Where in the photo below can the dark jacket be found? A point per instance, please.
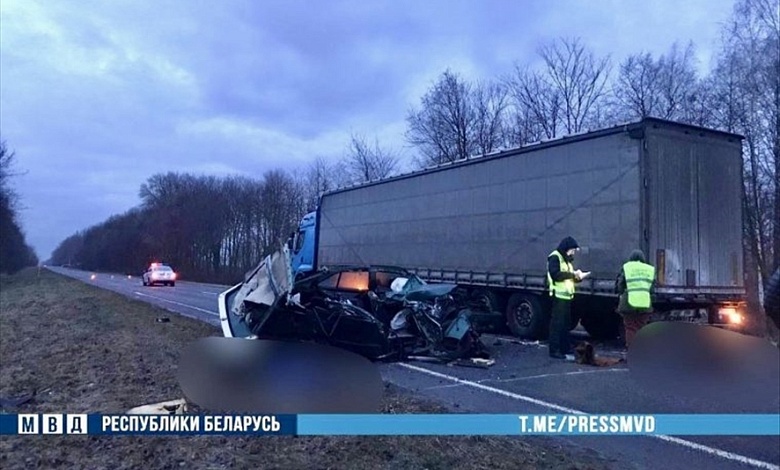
(554, 266)
(620, 286)
(772, 297)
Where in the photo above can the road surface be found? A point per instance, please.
(525, 380)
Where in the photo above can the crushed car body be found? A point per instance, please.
(383, 313)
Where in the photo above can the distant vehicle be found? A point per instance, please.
(159, 273)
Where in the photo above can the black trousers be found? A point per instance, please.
(560, 322)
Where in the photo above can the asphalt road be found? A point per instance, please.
(525, 380)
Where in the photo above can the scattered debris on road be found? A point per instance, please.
(171, 407)
(585, 353)
(6, 403)
(473, 362)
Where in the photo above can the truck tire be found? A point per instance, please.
(525, 316)
(603, 325)
(489, 299)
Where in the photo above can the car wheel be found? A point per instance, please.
(525, 316)
(173, 284)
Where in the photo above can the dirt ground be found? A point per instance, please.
(86, 350)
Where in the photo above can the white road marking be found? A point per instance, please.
(674, 440)
(516, 396)
(542, 376)
(209, 293)
(178, 303)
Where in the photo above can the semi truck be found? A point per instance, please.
(488, 223)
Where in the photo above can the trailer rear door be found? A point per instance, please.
(693, 193)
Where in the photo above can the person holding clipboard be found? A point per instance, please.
(561, 279)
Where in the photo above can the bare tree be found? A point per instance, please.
(489, 101)
(15, 254)
(321, 176)
(563, 97)
(441, 127)
(6, 161)
(281, 210)
(636, 85)
(746, 89)
(762, 20)
(209, 228)
(578, 77)
(366, 162)
(667, 87)
(677, 81)
(536, 106)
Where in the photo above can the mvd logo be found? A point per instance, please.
(52, 424)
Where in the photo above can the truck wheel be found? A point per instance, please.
(603, 325)
(490, 299)
(525, 316)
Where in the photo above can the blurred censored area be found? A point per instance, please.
(704, 363)
(262, 376)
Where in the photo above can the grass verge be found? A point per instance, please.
(86, 350)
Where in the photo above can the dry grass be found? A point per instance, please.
(91, 351)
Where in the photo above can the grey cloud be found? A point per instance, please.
(95, 97)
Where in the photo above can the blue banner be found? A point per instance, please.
(393, 425)
(164, 424)
(572, 425)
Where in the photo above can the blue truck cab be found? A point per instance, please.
(302, 246)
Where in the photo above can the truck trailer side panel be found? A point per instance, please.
(495, 214)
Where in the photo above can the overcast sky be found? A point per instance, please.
(97, 96)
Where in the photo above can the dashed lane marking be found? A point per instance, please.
(674, 440)
(541, 376)
(177, 303)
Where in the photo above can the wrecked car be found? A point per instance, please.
(384, 313)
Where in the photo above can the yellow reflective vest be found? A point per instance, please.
(564, 289)
(639, 280)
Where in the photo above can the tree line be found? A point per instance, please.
(216, 228)
(15, 253)
(576, 90)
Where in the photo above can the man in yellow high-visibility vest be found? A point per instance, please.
(635, 285)
(561, 277)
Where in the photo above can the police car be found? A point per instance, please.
(159, 273)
